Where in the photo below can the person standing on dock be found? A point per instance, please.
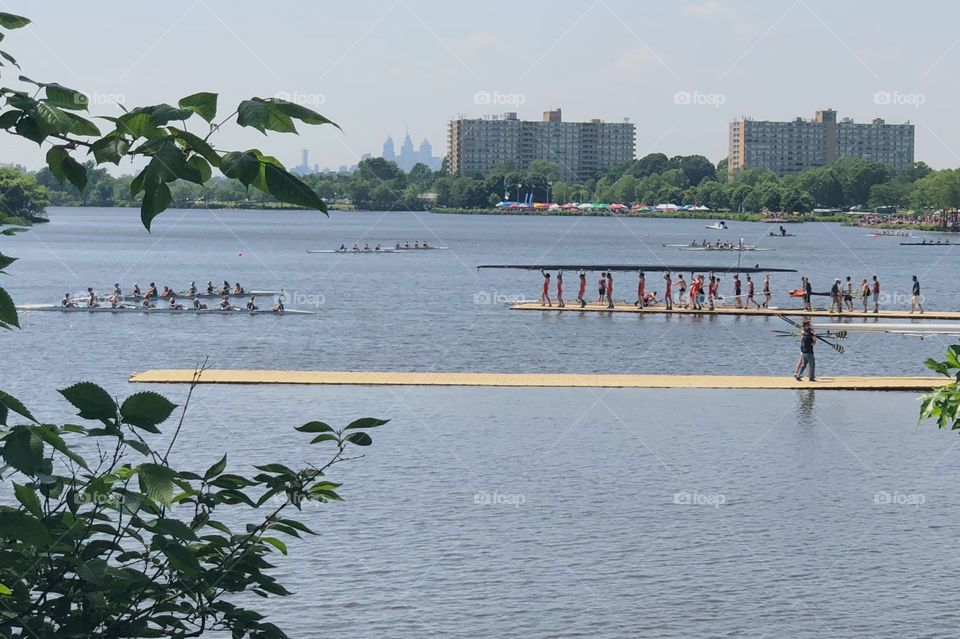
(865, 293)
(560, 289)
(712, 292)
(641, 290)
(915, 301)
(545, 292)
(609, 289)
(583, 290)
(737, 290)
(682, 290)
(751, 290)
(807, 292)
(668, 291)
(848, 295)
(602, 288)
(836, 297)
(876, 294)
(807, 340)
(766, 290)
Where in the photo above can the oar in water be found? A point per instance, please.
(837, 347)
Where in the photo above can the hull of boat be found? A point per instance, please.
(161, 311)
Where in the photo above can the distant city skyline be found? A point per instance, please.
(406, 159)
(681, 71)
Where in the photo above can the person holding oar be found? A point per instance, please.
(807, 341)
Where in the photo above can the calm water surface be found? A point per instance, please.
(533, 512)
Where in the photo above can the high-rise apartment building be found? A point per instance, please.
(581, 149)
(791, 147)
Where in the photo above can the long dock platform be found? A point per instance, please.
(534, 380)
(573, 307)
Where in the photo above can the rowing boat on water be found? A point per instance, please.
(936, 243)
(161, 311)
(718, 227)
(724, 248)
(903, 234)
(184, 295)
(405, 249)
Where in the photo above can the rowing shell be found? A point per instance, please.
(947, 243)
(717, 227)
(351, 252)
(161, 311)
(184, 295)
(728, 249)
(656, 268)
(906, 329)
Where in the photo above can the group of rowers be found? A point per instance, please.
(719, 245)
(366, 247)
(699, 292)
(842, 293)
(149, 298)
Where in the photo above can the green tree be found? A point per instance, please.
(121, 542)
(20, 195)
(940, 189)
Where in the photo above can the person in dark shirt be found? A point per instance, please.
(807, 340)
(915, 297)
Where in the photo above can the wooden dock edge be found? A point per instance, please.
(573, 307)
(537, 380)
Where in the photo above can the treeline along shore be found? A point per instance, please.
(651, 186)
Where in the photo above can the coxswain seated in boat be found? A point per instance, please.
(66, 302)
(225, 289)
(192, 289)
(237, 289)
(209, 287)
(197, 305)
(135, 293)
(225, 304)
(92, 299)
(251, 305)
(278, 307)
(173, 306)
(151, 290)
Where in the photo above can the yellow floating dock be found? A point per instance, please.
(523, 380)
(727, 310)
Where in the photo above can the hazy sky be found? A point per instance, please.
(379, 67)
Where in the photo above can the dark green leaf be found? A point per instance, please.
(137, 124)
(174, 528)
(16, 406)
(314, 427)
(182, 559)
(261, 115)
(66, 98)
(286, 187)
(92, 401)
(366, 422)
(9, 58)
(11, 21)
(110, 148)
(55, 157)
(49, 434)
(203, 104)
(22, 527)
(196, 144)
(8, 310)
(146, 410)
(201, 167)
(156, 482)
(23, 451)
(80, 126)
(298, 112)
(28, 127)
(52, 119)
(216, 469)
(28, 497)
(276, 543)
(360, 439)
(75, 172)
(155, 201)
(242, 166)
(326, 437)
(9, 118)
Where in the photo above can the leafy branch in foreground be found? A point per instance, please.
(101, 545)
(48, 112)
(943, 404)
(109, 539)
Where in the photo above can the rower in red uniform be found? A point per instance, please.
(641, 290)
(583, 289)
(609, 289)
(545, 294)
(602, 288)
(560, 289)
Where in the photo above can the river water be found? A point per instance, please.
(533, 512)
